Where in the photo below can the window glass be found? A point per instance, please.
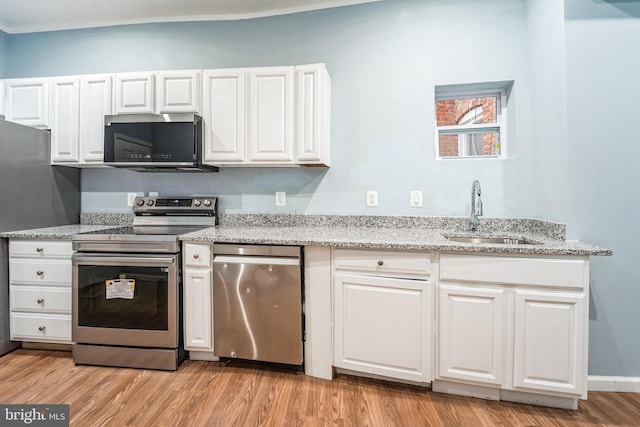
(470, 123)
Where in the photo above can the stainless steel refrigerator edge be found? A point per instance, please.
(33, 194)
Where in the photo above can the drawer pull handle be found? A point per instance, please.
(39, 250)
(39, 272)
(42, 328)
(196, 256)
(380, 263)
(40, 301)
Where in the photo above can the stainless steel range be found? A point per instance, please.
(127, 293)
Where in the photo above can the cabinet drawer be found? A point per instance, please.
(571, 272)
(41, 299)
(40, 249)
(55, 272)
(197, 255)
(41, 327)
(383, 262)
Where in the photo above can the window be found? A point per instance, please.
(471, 121)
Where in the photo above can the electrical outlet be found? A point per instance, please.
(131, 197)
(281, 198)
(416, 199)
(372, 198)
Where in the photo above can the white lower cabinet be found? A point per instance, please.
(382, 325)
(522, 337)
(198, 301)
(550, 341)
(40, 290)
(197, 297)
(472, 334)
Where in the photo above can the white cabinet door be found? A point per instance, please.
(382, 326)
(65, 110)
(135, 93)
(198, 314)
(550, 341)
(271, 114)
(472, 337)
(223, 112)
(95, 102)
(178, 91)
(27, 101)
(313, 114)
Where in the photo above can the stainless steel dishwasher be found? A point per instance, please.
(257, 303)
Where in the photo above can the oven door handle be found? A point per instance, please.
(120, 260)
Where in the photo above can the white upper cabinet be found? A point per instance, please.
(65, 102)
(134, 93)
(267, 116)
(78, 107)
(223, 112)
(263, 116)
(313, 113)
(96, 101)
(178, 91)
(27, 101)
(271, 114)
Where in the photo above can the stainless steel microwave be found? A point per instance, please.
(155, 142)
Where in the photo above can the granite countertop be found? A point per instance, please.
(388, 238)
(409, 233)
(59, 232)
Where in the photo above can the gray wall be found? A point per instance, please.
(384, 60)
(4, 41)
(603, 67)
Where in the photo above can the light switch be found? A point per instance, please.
(372, 198)
(281, 198)
(416, 199)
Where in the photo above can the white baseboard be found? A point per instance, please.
(619, 384)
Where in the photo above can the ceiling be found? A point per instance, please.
(25, 16)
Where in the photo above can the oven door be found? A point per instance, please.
(125, 299)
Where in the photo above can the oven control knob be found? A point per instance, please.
(150, 202)
(207, 202)
(140, 202)
(197, 203)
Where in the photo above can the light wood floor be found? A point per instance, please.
(249, 394)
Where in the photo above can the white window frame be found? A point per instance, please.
(500, 126)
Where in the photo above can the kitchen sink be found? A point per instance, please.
(492, 240)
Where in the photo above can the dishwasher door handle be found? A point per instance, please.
(224, 259)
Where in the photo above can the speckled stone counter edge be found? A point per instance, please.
(548, 229)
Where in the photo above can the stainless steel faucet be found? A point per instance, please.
(476, 206)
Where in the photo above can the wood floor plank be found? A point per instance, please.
(203, 394)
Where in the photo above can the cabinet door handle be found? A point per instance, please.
(196, 256)
(40, 300)
(39, 250)
(39, 272)
(380, 263)
(42, 328)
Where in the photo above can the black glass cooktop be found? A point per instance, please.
(148, 230)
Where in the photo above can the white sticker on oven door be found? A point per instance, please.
(120, 288)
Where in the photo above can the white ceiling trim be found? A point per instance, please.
(72, 22)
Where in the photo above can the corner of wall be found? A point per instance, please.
(4, 42)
